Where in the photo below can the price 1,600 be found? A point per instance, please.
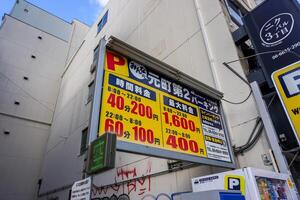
(179, 122)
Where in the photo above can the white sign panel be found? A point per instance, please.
(81, 190)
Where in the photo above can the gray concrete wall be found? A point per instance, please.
(37, 95)
(21, 154)
(41, 19)
(79, 32)
(22, 151)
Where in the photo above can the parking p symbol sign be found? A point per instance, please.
(291, 82)
(287, 84)
(234, 182)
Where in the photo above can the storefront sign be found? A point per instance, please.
(287, 83)
(274, 29)
(143, 107)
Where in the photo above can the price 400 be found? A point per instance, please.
(183, 144)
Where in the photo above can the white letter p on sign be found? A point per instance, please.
(292, 83)
(234, 184)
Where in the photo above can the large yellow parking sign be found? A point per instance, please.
(287, 83)
(144, 108)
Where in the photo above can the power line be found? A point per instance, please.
(226, 64)
(261, 53)
(243, 79)
(252, 140)
(294, 158)
(238, 103)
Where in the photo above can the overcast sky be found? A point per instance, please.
(83, 10)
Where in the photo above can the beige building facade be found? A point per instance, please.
(193, 36)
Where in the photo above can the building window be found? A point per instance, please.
(84, 141)
(95, 59)
(102, 22)
(235, 13)
(91, 91)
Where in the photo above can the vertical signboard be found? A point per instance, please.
(147, 109)
(274, 29)
(287, 83)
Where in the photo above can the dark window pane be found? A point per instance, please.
(102, 22)
(84, 137)
(235, 13)
(91, 91)
(95, 59)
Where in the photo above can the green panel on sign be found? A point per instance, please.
(102, 153)
(98, 152)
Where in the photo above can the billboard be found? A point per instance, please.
(145, 108)
(287, 84)
(274, 29)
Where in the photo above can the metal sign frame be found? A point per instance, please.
(124, 49)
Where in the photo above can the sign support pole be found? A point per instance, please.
(94, 116)
(96, 102)
(270, 130)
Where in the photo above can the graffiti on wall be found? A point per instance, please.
(140, 186)
(161, 196)
(132, 182)
(114, 197)
(128, 180)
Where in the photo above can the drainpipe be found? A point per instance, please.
(212, 63)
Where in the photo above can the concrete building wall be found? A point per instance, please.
(33, 82)
(21, 157)
(29, 122)
(79, 31)
(241, 118)
(37, 95)
(41, 19)
(63, 162)
(193, 37)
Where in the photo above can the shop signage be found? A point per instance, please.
(287, 84)
(274, 30)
